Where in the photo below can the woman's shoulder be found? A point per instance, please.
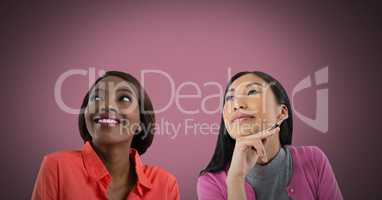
(156, 173)
(62, 157)
(306, 151)
(212, 185)
(308, 154)
(218, 177)
(64, 154)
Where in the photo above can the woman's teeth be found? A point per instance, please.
(107, 121)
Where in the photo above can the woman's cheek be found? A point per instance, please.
(129, 108)
(90, 109)
(131, 121)
(89, 125)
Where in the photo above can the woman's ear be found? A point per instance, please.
(138, 130)
(283, 114)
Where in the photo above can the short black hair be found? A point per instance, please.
(141, 141)
(226, 144)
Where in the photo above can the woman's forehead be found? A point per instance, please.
(114, 83)
(247, 80)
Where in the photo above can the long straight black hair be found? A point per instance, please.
(226, 144)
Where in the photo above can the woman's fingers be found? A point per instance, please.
(255, 141)
(255, 145)
(259, 136)
(259, 146)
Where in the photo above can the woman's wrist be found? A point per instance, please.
(235, 188)
(235, 178)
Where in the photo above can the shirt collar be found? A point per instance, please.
(97, 170)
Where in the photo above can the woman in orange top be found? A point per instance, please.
(117, 124)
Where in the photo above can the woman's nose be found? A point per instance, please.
(108, 110)
(239, 104)
(107, 104)
(105, 107)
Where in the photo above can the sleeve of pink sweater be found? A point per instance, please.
(327, 188)
(208, 188)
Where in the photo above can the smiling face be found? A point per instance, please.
(250, 107)
(112, 114)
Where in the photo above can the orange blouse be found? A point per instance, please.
(82, 175)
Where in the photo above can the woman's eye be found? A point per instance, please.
(125, 98)
(96, 98)
(228, 97)
(252, 92)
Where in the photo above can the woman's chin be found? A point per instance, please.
(244, 129)
(111, 137)
(245, 132)
(261, 162)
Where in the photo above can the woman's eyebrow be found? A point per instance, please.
(247, 86)
(253, 83)
(124, 90)
(98, 90)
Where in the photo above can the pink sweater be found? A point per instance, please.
(312, 179)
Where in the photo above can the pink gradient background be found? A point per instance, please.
(192, 41)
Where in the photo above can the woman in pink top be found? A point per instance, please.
(254, 158)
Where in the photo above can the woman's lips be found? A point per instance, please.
(242, 119)
(106, 119)
(239, 117)
(105, 122)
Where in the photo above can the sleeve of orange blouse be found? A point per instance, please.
(173, 193)
(46, 185)
(328, 188)
(208, 189)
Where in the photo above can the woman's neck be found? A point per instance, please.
(116, 159)
(272, 147)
